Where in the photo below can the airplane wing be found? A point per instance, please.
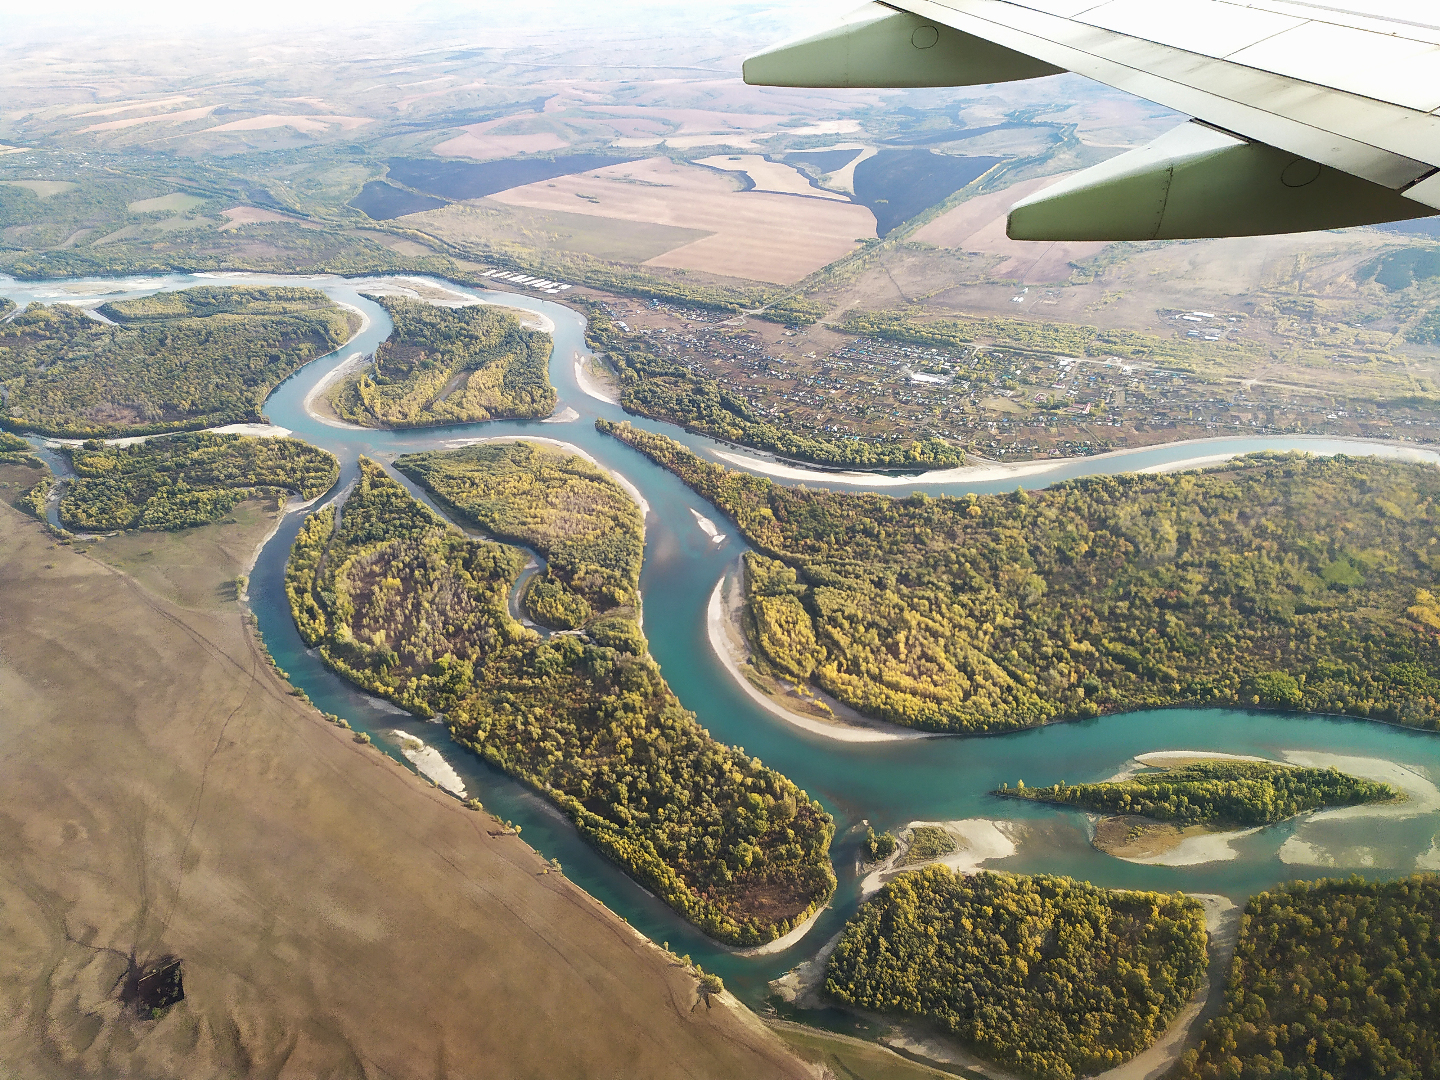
(1306, 115)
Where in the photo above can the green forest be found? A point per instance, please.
(449, 366)
(186, 480)
(406, 607)
(16, 451)
(1215, 793)
(171, 362)
(1333, 980)
(664, 390)
(588, 530)
(1281, 581)
(1046, 975)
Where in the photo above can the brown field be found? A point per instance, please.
(756, 235)
(305, 124)
(125, 106)
(135, 121)
(161, 793)
(769, 175)
(253, 215)
(483, 147)
(486, 221)
(978, 225)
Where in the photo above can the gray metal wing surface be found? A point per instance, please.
(1306, 115)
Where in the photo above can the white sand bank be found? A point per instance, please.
(993, 471)
(351, 363)
(708, 527)
(1195, 850)
(1167, 759)
(780, 944)
(566, 415)
(1429, 860)
(977, 841)
(592, 386)
(1421, 795)
(800, 983)
(430, 763)
(732, 655)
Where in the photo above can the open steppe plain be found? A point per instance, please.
(162, 793)
(759, 235)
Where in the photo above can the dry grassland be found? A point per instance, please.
(253, 215)
(136, 121)
(978, 225)
(43, 188)
(161, 793)
(485, 221)
(486, 147)
(303, 124)
(770, 175)
(176, 201)
(128, 106)
(757, 235)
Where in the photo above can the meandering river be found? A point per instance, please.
(888, 784)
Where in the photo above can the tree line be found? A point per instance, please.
(1333, 980)
(1215, 793)
(449, 366)
(186, 480)
(409, 609)
(174, 361)
(1049, 976)
(1282, 581)
(588, 530)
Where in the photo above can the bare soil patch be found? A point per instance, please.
(757, 235)
(162, 795)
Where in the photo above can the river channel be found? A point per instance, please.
(885, 783)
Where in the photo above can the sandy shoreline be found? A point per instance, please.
(717, 614)
(708, 527)
(780, 944)
(590, 386)
(353, 362)
(992, 471)
(452, 298)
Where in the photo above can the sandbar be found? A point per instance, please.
(728, 644)
(708, 527)
(430, 763)
(780, 944)
(592, 386)
(993, 471)
(351, 363)
(977, 841)
(565, 416)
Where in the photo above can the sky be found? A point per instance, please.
(180, 17)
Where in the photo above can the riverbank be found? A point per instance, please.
(317, 401)
(592, 385)
(727, 641)
(992, 472)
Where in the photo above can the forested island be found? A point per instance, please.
(1049, 976)
(186, 480)
(1331, 979)
(449, 366)
(1282, 581)
(664, 390)
(587, 529)
(405, 606)
(173, 361)
(1235, 793)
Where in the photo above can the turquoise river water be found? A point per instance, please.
(885, 783)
